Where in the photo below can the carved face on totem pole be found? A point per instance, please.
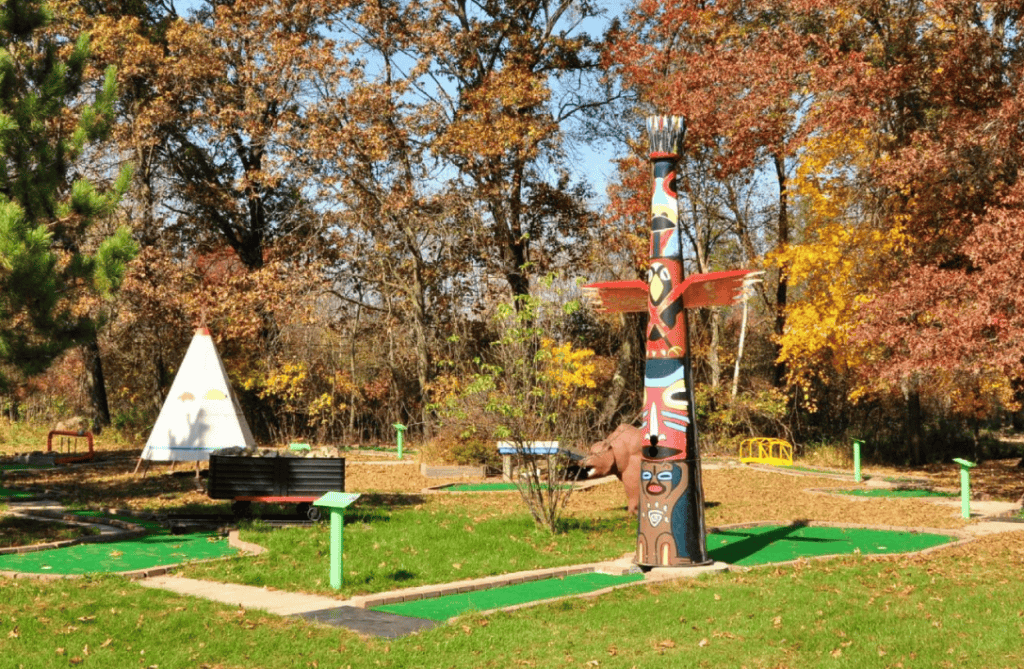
(664, 501)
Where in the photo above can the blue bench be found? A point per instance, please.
(533, 449)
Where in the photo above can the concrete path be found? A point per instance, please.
(103, 529)
(277, 602)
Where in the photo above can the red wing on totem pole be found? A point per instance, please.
(717, 289)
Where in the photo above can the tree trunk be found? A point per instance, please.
(914, 424)
(779, 371)
(613, 401)
(739, 348)
(713, 361)
(97, 385)
(423, 363)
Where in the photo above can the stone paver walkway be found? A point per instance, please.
(277, 602)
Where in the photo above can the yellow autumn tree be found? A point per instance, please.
(567, 373)
(839, 261)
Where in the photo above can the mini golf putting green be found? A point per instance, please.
(481, 487)
(884, 492)
(752, 546)
(20, 466)
(8, 495)
(443, 608)
(745, 547)
(156, 549)
(812, 470)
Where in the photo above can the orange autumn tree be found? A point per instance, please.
(924, 88)
(408, 152)
(736, 71)
(902, 165)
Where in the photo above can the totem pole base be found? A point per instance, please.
(670, 519)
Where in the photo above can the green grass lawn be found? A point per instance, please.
(388, 546)
(958, 608)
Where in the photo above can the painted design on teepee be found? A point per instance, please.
(188, 429)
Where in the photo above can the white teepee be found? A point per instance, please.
(201, 413)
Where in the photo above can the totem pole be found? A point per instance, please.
(671, 507)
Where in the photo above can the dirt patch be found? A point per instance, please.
(992, 479)
(733, 494)
(365, 477)
(740, 494)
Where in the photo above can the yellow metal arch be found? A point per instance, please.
(764, 450)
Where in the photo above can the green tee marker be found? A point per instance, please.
(965, 485)
(298, 447)
(401, 435)
(336, 503)
(857, 443)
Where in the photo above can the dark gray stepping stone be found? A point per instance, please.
(366, 621)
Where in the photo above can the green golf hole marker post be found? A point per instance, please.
(857, 443)
(965, 485)
(401, 437)
(336, 503)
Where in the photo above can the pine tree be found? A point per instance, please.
(48, 254)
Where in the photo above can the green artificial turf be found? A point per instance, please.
(781, 543)
(155, 549)
(443, 608)
(746, 547)
(20, 466)
(812, 470)
(14, 495)
(483, 487)
(883, 492)
(479, 487)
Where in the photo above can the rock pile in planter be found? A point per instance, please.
(254, 452)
